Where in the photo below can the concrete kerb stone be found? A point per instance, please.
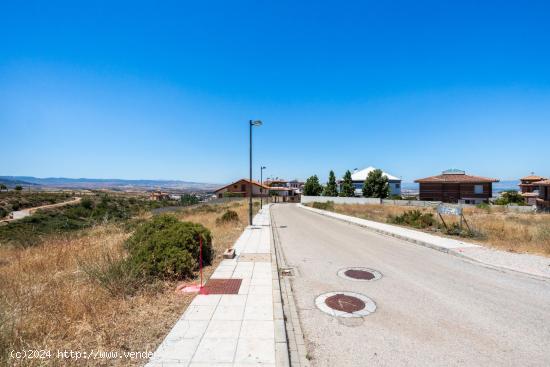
(282, 353)
(450, 251)
(290, 323)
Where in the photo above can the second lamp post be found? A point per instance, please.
(252, 123)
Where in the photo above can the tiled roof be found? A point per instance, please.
(256, 183)
(543, 183)
(533, 178)
(459, 178)
(529, 194)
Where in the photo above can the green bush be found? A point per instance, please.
(167, 248)
(329, 205)
(228, 217)
(510, 197)
(116, 275)
(87, 203)
(414, 218)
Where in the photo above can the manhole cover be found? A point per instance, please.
(345, 304)
(359, 274)
(222, 286)
(341, 302)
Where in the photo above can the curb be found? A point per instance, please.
(425, 244)
(297, 353)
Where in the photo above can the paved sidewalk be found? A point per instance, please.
(532, 265)
(243, 329)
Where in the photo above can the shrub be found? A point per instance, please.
(329, 205)
(87, 203)
(116, 275)
(414, 218)
(189, 199)
(510, 197)
(228, 216)
(167, 248)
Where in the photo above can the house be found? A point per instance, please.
(359, 177)
(455, 186)
(543, 200)
(242, 188)
(158, 196)
(528, 183)
(296, 185)
(293, 185)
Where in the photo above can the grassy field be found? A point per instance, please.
(514, 232)
(47, 301)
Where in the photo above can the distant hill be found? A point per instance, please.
(100, 183)
(14, 182)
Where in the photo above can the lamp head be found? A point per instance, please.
(255, 122)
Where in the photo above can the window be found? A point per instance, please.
(397, 186)
(478, 189)
(243, 187)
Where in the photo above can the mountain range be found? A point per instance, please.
(102, 183)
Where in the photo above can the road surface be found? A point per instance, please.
(433, 309)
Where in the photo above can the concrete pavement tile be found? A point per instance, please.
(206, 300)
(229, 313)
(182, 350)
(233, 300)
(223, 329)
(187, 329)
(199, 312)
(213, 350)
(261, 289)
(255, 351)
(264, 312)
(259, 299)
(257, 329)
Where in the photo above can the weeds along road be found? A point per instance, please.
(433, 309)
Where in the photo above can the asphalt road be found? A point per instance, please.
(433, 309)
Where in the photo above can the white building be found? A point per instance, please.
(359, 177)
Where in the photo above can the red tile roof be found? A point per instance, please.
(256, 183)
(460, 178)
(542, 183)
(533, 178)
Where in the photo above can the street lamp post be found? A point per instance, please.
(251, 124)
(262, 187)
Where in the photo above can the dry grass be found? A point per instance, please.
(514, 232)
(48, 302)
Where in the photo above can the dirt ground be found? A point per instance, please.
(48, 303)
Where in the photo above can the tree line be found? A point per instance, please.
(376, 185)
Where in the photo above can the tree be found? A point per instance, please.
(312, 186)
(18, 188)
(346, 188)
(3, 187)
(331, 189)
(189, 199)
(510, 197)
(376, 185)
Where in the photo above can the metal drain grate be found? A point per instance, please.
(222, 286)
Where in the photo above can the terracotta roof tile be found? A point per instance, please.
(450, 178)
(533, 178)
(542, 183)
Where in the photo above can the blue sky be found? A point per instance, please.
(164, 90)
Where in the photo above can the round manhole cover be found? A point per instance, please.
(345, 304)
(359, 274)
(341, 302)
